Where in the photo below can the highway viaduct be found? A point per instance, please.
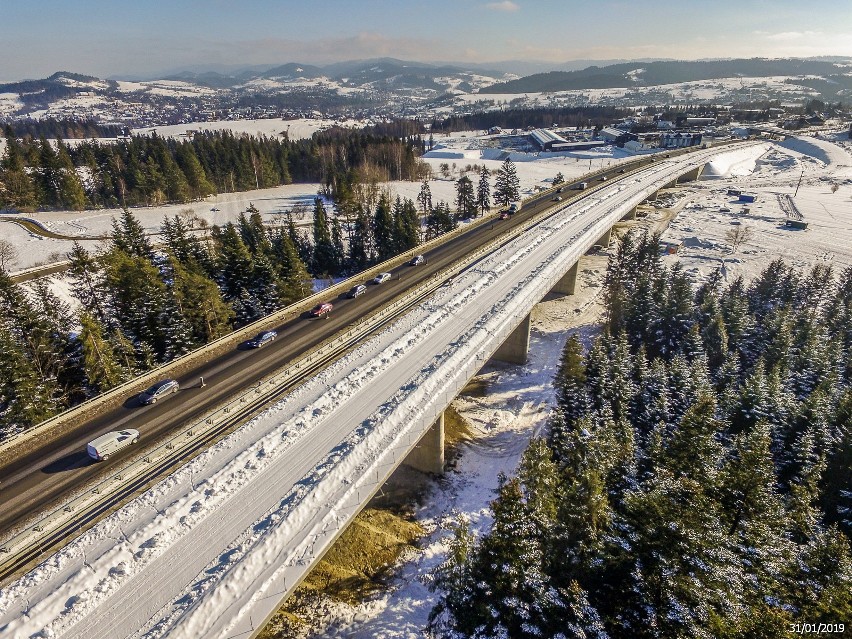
(359, 420)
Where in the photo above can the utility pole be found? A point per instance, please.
(799, 184)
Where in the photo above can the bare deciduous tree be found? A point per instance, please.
(8, 254)
(738, 236)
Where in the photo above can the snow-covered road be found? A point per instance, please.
(209, 551)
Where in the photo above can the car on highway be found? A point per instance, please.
(556, 199)
(621, 170)
(355, 291)
(602, 178)
(159, 390)
(102, 447)
(559, 190)
(215, 209)
(417, 260)
(261, 339)
(381, 278)
(504, 215)
(321, 310)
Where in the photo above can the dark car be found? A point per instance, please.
(158, 391)
(556, 198)
(321, 310)
(262, 338)
(416, 260)
(621, 170)
(559, 190)
(355, 291)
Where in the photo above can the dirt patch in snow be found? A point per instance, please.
(357, 566)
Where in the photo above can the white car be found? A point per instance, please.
(381, 278)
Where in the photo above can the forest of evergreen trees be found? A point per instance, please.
(66, 128)
(696, 480)
(36, 173)
(521, 118)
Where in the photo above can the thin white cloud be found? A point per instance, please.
(506, 5)
(786, 36)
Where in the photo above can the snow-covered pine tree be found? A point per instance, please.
(507, 186)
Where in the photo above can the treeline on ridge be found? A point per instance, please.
(151, 170)
(696, 480)
(66, 128)
(596, 116)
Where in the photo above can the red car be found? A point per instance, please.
(321, 310)
(504, 215)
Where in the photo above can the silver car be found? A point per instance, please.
(381, 278)
(159, 390)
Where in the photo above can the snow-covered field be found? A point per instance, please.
(298, 129)
(824, 198)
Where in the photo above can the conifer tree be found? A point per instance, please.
(424, 197)
(128, 236)
(406, 225)
(325, 258)
(465, 198)
(199, 301)
(383, 230)
(361, 241)
(100, 364)
(296, 282)
(71, 194)
(507, 186)
(17, 189)
(483, 192)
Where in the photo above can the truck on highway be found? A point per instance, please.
(581, 186)
(102, 447)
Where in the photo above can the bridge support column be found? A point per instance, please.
(606, 238)
(568, 284)
(631, 215)
(692, 175)
(514, 350)
(428, 455)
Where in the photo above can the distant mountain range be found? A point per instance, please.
(389, 86)
(638, 74)
(353, 73)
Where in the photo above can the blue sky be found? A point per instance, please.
(144, 37)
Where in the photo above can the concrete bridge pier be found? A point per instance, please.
(428, 455)
(692, 175)
(606, 238)
(514, 350)
(568, 284)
